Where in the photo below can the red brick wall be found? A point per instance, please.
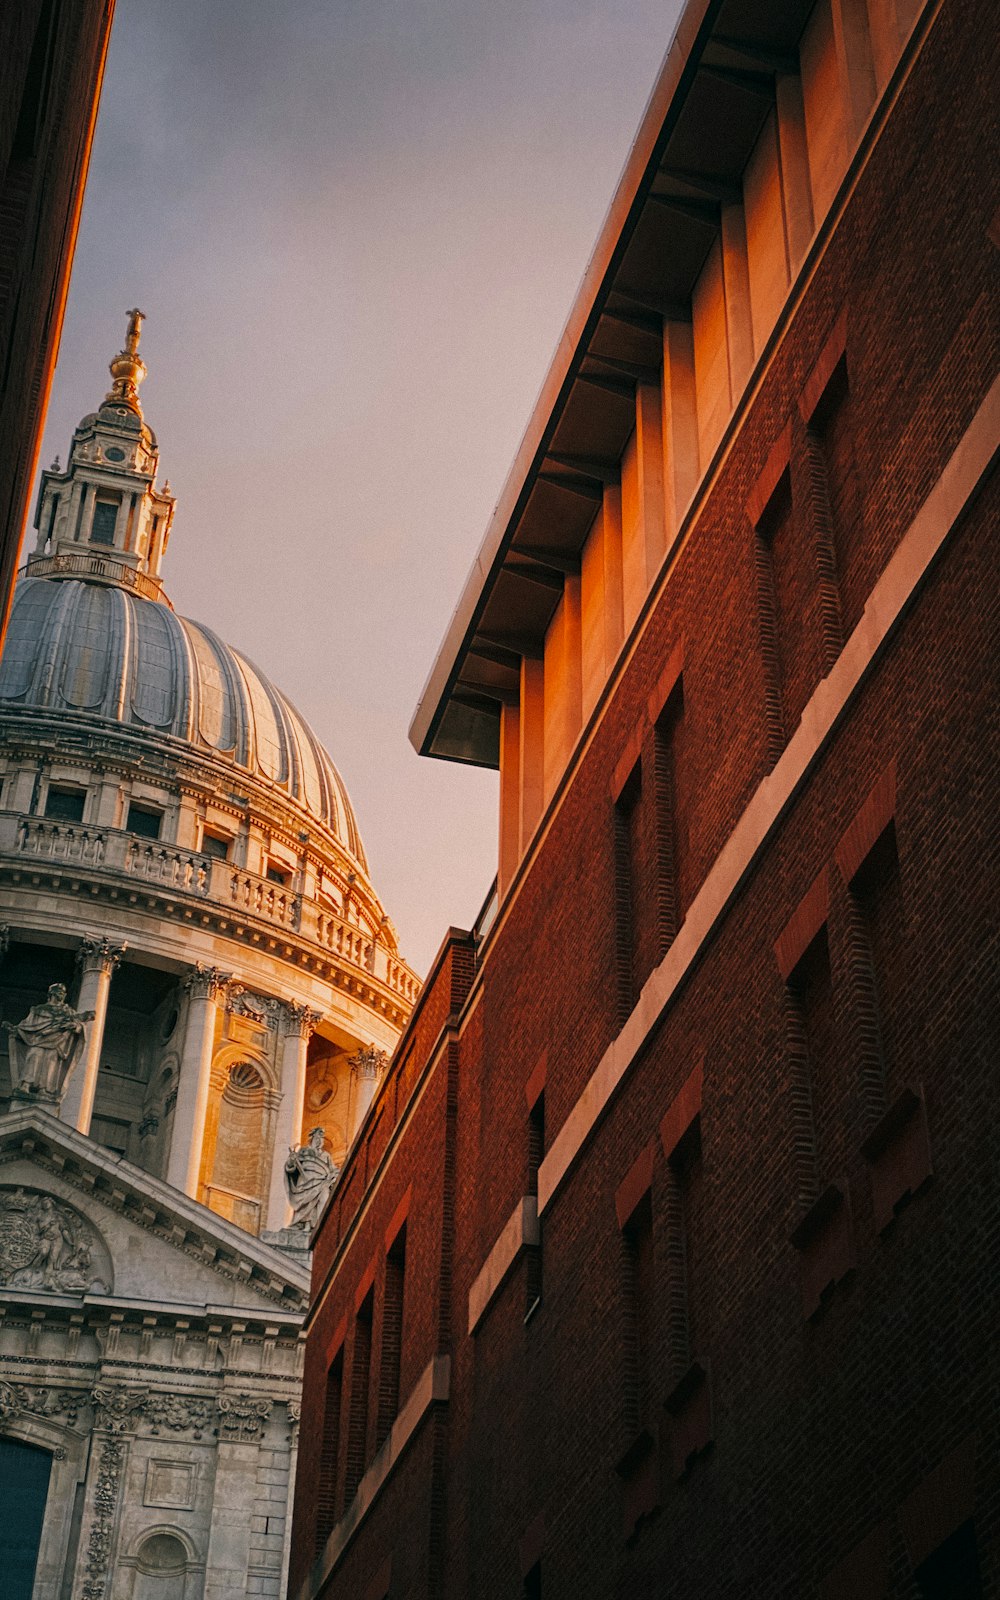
(825, 1355)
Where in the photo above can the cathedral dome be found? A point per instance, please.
(94, 649)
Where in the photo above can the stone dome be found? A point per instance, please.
(97, 650)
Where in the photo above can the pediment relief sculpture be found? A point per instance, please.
(45, 1047)
(45, 1244)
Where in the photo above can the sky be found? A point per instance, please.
(356, 228)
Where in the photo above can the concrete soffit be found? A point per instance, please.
(662, 212)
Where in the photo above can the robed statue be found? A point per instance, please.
(45, 1047)
(310, 1174)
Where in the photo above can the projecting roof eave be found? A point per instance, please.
(434, 699)
(712, 95)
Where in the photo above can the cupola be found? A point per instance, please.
(103, 518)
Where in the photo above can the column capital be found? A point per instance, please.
(300, 1019)
(206, 983)
(369, 1062)
(100, 955)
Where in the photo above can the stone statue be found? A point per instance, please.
(45, 1245)
(310, 1174)
(45, 1047)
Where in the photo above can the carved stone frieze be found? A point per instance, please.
(28, 1399)
(242, 1417)
(46, 1245)
(177, 1413)
(117, 1407)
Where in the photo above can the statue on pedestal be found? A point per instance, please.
(310, 1174)
(45, 1047)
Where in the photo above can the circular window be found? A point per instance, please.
(114, 454)
(320, 1095)
(169, 1024)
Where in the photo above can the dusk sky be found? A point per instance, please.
(356, 228)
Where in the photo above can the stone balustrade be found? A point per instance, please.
(95, 569)
(111, 852)
(263, 898)
(166, 864)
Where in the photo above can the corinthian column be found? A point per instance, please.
(97, 959)
(367, 1068)
(299, 1024)
(205, 987)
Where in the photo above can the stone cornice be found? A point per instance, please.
(239, 927)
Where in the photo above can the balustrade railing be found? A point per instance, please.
(95, 568)
(165, 864)
(48, 842)
(263, 898)
(345, 940)
(61, 841)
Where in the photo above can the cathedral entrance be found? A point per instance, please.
(24, 1487)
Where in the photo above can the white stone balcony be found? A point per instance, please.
(33, 846)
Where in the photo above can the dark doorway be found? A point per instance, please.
(24, 1487)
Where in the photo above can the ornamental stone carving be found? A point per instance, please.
(98, 1558)
(45, 1047)
(100, 955)
(300, 1018)
(46, 1245)
(369, 1062)
(178, 1413)
(310, 1174)
(117, 1407)
(26, 1399)
(255, 1007)
(207, 983)
(242, 1417)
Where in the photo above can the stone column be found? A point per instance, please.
(299, 1024)
(205, 986)
(84, 526)
(98, 959)
(367, 1068)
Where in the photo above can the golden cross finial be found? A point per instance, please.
(135, 322)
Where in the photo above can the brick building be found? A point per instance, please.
(665, 1260)
(52, 56)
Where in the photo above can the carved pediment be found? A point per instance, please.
(62, 1196)
(46, 1244)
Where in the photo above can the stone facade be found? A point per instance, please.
(153, 1351)
(179, 854)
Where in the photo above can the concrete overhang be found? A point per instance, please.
(711, 98)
